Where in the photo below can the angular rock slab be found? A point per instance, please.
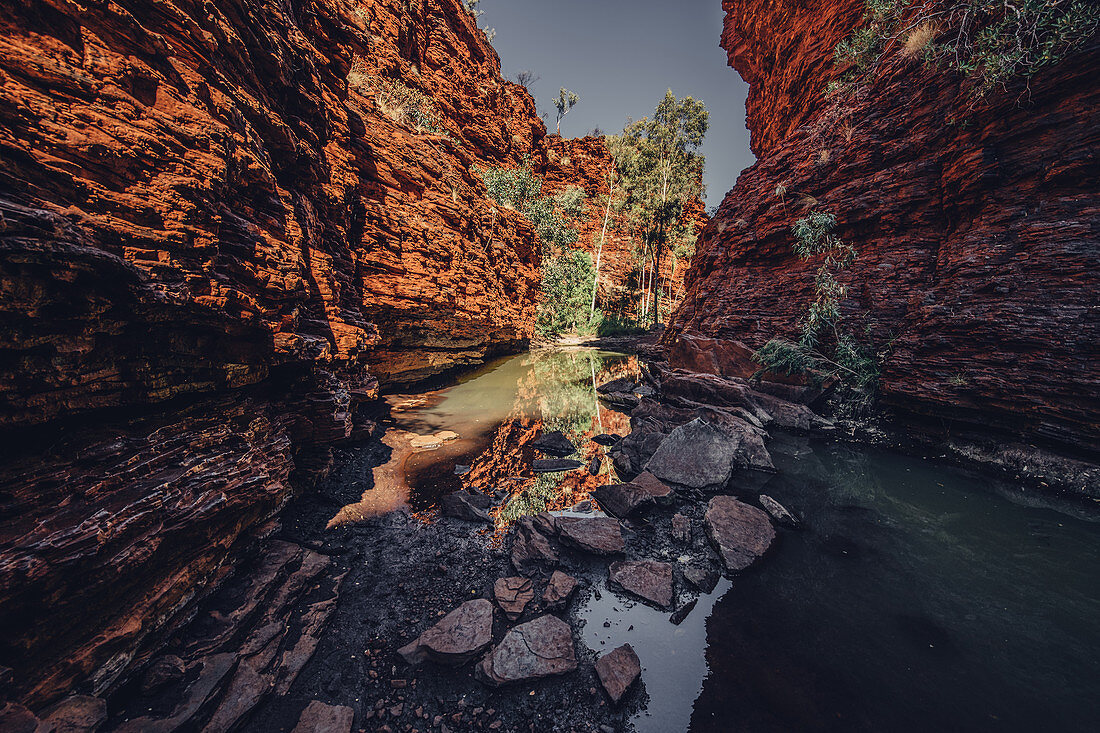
(559, 590)
(702, 575)
(536, 649)
(467, 505)
(779, 512)
(555, 465)
(554, 444)
(647, 579)
(741, 533)
(618, 670)
(695, 455)
(458, 637)
(598, 535)
(532, 549)
(622, 500)
(513, 595)
(652, 485)
(607, 439)
(321, 718)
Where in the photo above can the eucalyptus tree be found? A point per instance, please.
(566, 101)
(662, 170)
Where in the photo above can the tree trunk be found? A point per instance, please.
(603, 235)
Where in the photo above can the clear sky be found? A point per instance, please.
(620, 56)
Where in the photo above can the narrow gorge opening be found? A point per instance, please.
(442, 365)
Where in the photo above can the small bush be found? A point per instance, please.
(398, 101)
(918, 40)
(567, 281)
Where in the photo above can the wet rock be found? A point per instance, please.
(536, 649)
(461, 470)
(622, 499)
(608, 439)
(554, 444)
(554, 465)
(647, 579)
(433, 441)
(467, 505)
(76, 714)
(598, 535)
(632, 452)
(618, 670)
(741, 533)
(559, 590)
(163, 671)
(702, 575)
(681, 529)
(595, 465)
(654, 486)
(532, 549)
(458, 637)
(682, 612)
(321, 718)
(513, 595)
(779, 512)
(696, 455)
(622, 384)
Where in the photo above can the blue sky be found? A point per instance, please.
(620, 56)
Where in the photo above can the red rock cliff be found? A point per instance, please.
(212, 244)
(976, 226)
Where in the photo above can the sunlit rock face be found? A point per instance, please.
(975, 223)
(213, 245)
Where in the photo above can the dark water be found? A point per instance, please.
(918, 599)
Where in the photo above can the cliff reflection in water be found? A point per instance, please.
(486, 421)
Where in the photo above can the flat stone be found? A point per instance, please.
(559, 590)
(702, 575)
(618, 670)
(682, 612)
(536, 649)
(622, 499)
(321, 718)
(532, 549)
(607, 439)
(779, 512)
(513, 594)
(555, 444)
(459, 636)
(695, 455)
(76, 714)
(647, 579)
(741, 533)
(467, 505)
(652, 485)
(598, 535)
(554, 465)
(681, 529)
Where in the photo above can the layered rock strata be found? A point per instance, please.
(975, 220)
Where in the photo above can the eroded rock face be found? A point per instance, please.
(539, 648)
(975, 224)
(741, 533)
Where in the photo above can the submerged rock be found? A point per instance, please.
(513, 595)
(466, 505)
(458, 637)
(779, 512)
(559, 590)
(532, 549)
(741, 533)
(554, 465)
(321, 718)
(682, 612)
(618, 670)
(647, 579)
(554, 444)
(598, 535)
(536, 649)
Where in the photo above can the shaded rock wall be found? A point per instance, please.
(212, 247)
(976, 224)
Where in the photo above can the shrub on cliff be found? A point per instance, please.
(398, 101)
(567, 280)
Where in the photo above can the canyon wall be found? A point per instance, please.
(976, 222)
(215, 241)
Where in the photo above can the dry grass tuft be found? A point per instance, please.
(918, 40)
(823, 156)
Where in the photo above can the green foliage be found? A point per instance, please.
(567, 280)
(993, 41)
(521, 189)
(823, 349)
(400, 102)
(572, 201)
(566, 101)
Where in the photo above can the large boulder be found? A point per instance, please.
(598, 535)
(695, 455)
(741, 533)
(647, 579)
(536, 649)
(458, 637)
(554, 444)
(618, 670)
